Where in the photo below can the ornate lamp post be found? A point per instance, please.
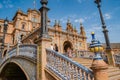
(4, 32)
(99, 67)
(44, 19)
(105, 31)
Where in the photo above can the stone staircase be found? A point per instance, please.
(113, 72)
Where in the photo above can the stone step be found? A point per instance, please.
(113, 69)
(117, 77)
(114, 73)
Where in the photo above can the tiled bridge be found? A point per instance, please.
(21, 64)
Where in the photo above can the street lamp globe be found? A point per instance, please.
(97, 1)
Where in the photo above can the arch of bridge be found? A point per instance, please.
(26, 64)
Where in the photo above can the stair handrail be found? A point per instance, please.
(66, 68)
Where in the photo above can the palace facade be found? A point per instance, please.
(25, 27)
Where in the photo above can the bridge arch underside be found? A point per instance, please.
(13, 72)
(18, 68)
(66, 45)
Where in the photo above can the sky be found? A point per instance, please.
(76, 11)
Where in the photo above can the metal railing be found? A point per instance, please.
(66, 68)
(23, 50)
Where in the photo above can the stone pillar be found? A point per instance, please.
(43, 43)
(110, 57)
(99, 68)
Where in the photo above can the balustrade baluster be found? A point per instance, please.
(68, 71)
(72, 71)
(66, 68)
(86, 76)
(54, 57)
(83, 77)
(51, 60)
(48, 58)
(91, 77)
(75, 72)
(60, 66)
(56, 63)
(78, 71)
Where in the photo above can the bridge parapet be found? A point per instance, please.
(117, 59)
(23, 50)
(83, 54)
(65, 68)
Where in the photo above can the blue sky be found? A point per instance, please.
(77, 11)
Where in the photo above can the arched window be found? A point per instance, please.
(21, 36)
(23, 26)
(34, 18)
(0, 28)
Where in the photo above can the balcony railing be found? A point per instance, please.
(65, 68)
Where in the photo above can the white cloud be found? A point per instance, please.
(80, 1)
(79, 20)
(8, 4)
(1, 5)
(107, 16)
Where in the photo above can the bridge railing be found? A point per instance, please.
(22, 50)
(66, 68)
(117, 59)
(83, 54)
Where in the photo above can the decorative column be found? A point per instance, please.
(98, 66)
(43, 42)
(105, 31)
(44, 19)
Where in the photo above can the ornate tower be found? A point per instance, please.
(69, 26)
(44, 19)
(82, 31)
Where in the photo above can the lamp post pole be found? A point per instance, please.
(44, 20)
(105, 31)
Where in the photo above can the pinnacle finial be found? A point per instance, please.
(34, 4)
(55, 22)
(74, 27)
(44, 2)
(93, 35)
(68, 21)
(59, 22)
(80, 23)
